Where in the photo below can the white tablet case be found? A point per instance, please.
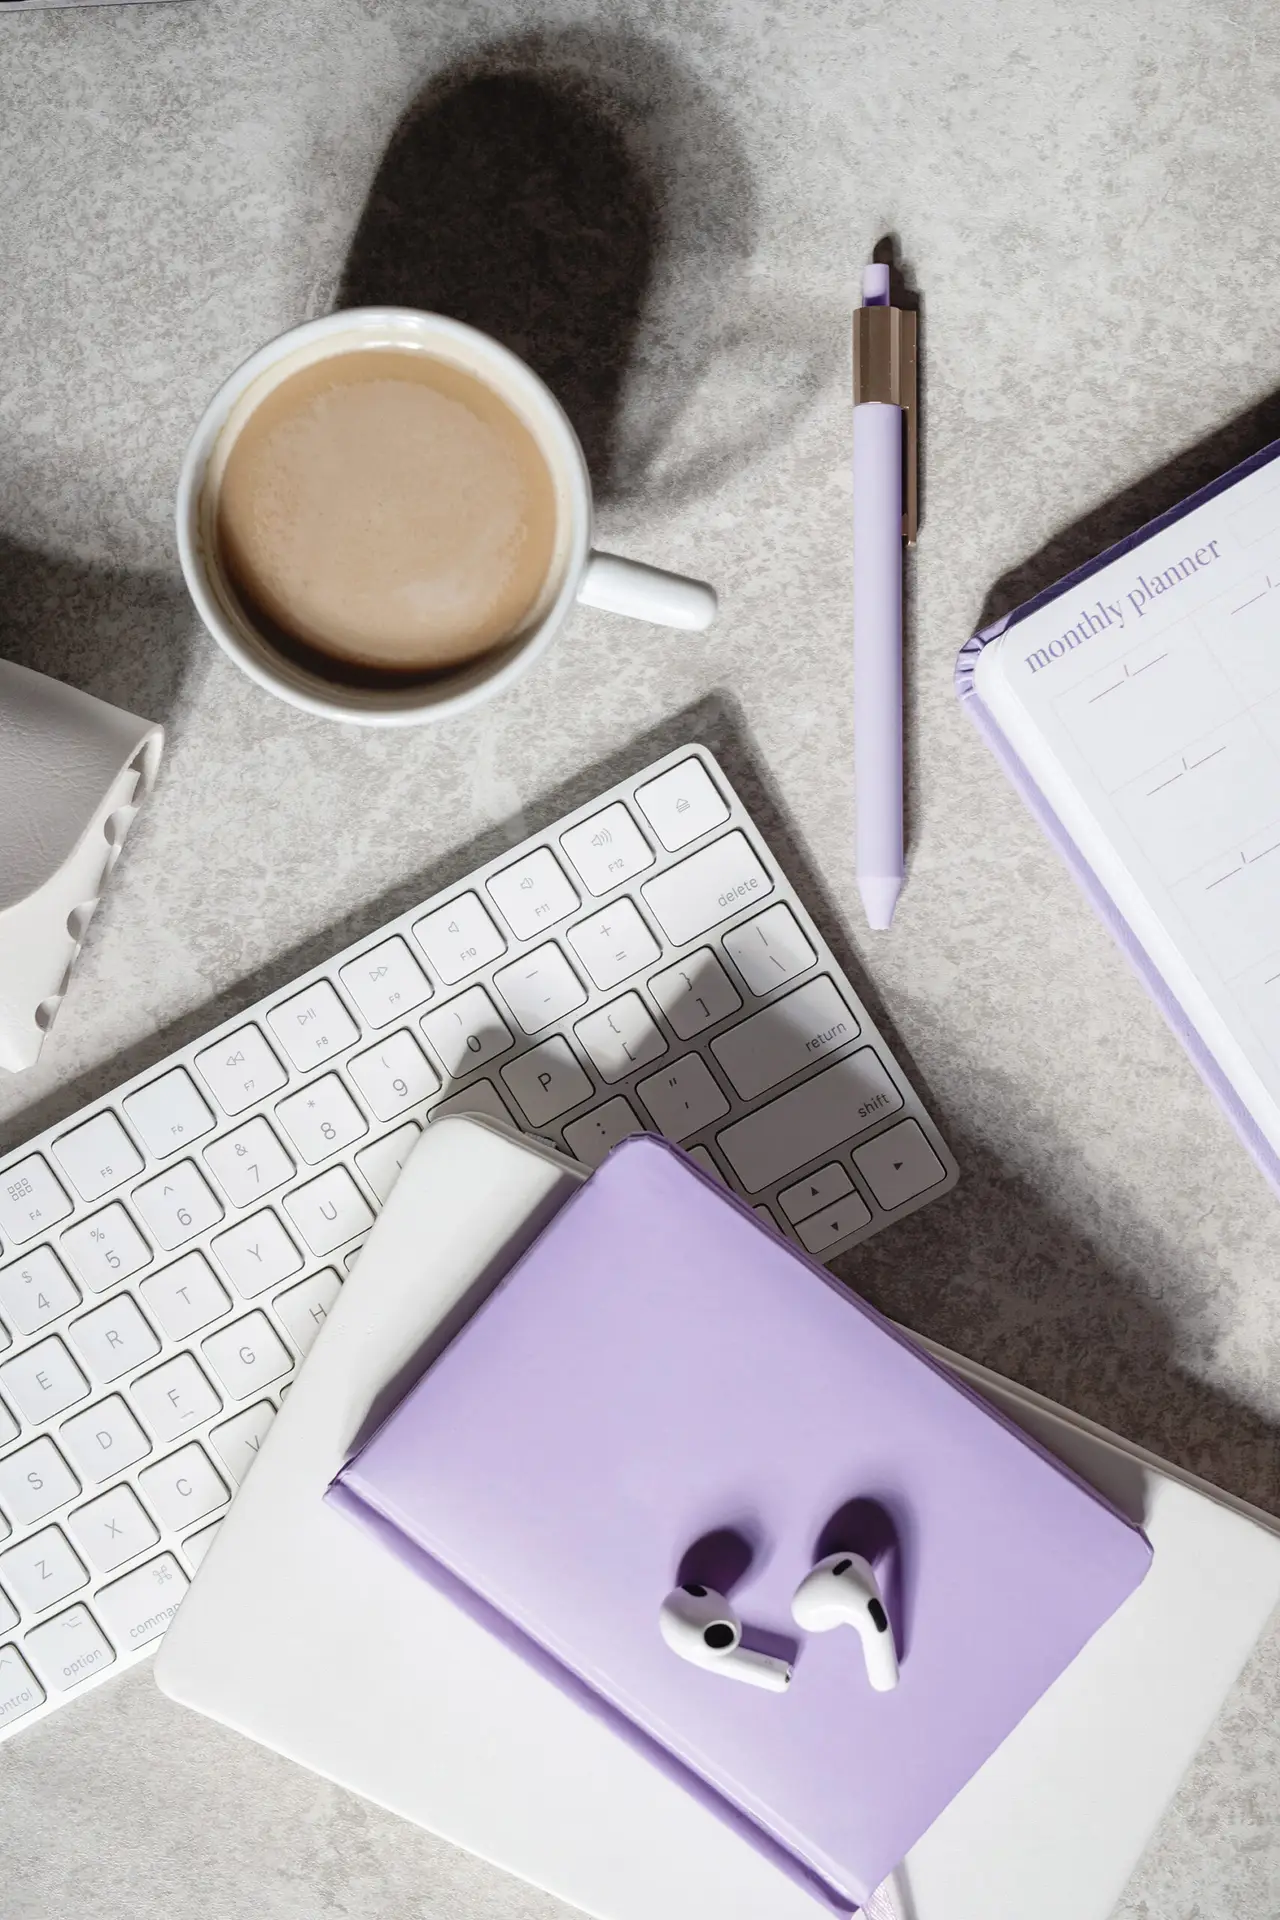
(319, 1644)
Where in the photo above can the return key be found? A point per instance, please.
(786, 1037)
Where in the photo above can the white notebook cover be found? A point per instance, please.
(302, 1635)
(1136, 705)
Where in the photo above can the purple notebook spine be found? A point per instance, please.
(1126, 939)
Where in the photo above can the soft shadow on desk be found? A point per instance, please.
(990, 1271)
(125, 637)
(569, 192)
(1127, 512)
(1062, 1322)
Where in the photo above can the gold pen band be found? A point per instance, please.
(884, 369)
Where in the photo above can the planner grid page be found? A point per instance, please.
(1146, 706)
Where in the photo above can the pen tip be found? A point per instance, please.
(879, 898)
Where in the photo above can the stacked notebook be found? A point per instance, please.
(1136, 704)
(659, 1372)
(464, 1675)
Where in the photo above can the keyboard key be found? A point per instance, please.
(482, 1098)
(322, 1119)
(836, 1105)
(706, 888)
(696, 993)
(607, 849)
(30, 1199)
(97, 1156)
(822, 1230)
(313, 1025)
(199, 1544)
(547, 1081)
(683, 1098)
(540, 987)
(380, 1164)
(106, 1247)
(240, 1070)
(466, 1032)
(590, 1138)
(177, 1205)
(621, 1037)
(239, 1441)
(42, 1570)
(112, 1529)
(614, 944)
(69, 1649)
(785, 1037)
(34, 1481)
(303, 1309)
(256, 1253)
(248, 1163)
(899, 1164)
(459, 938)
(533, 894)
(36, 1290)
(681, 804)
(769, 950)
(247, 1356)
(175, 1398)
(765, 1218)
(386, 982)
(185, 1297)
(394, 1076)
(329, 1211)
(815, 1191)
(169, 1112)
(113, 1338)
(136, 1609)
(8, 1426)
(20, 1691)
(43, 1380)
(183, 1488)
(103, 1440)
(701, 1158)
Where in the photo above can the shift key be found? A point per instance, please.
(789, 1035)
(836, 1105)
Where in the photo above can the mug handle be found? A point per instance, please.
(616, 585)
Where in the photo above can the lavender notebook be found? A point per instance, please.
(662, 1387)
(1136, 707)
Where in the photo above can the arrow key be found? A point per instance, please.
(899, 1164)
(814, 1192)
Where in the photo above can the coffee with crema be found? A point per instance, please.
(389, 511)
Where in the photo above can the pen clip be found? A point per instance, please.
(884, 369)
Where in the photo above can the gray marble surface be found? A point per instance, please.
(666, 208)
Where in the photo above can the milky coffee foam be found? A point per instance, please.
(389, 511)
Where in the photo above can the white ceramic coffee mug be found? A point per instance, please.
(577, 573)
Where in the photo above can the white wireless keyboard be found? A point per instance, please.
(169, 1254)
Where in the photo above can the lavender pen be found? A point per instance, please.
(884, 514)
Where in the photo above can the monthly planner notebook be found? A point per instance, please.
(661, 1390)
(1137, 705)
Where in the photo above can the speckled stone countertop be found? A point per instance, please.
(666, 208)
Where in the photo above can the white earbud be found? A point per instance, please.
(842, 1592)
(702, 1627)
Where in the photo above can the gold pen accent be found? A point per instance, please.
(884, 369)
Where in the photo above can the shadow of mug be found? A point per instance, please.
(579, 197)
